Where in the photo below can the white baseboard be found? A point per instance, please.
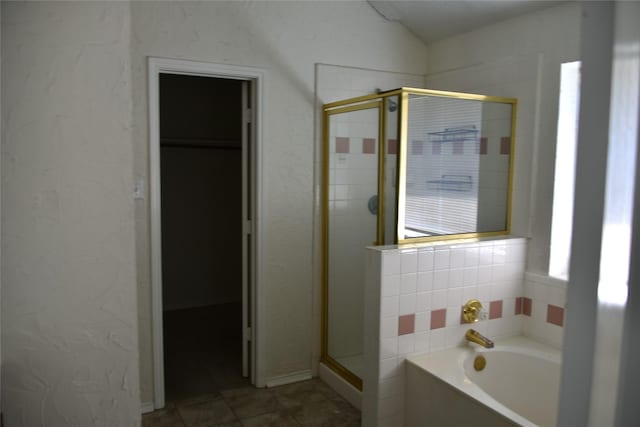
(289, 378)
(147, 407)
(340, 386)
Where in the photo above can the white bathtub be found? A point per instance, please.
(518, 386)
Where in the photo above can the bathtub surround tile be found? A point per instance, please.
(342, 145)
(438, 318)
(526, 306)
(391, 263)
(555, 315)
(495, 309)
(406, 324)
(389, 306)
(446, 275)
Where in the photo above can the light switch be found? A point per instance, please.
(138, 189)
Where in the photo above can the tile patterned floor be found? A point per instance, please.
(310, 403)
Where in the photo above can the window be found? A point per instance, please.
(561, 224)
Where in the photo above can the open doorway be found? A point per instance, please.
(202, 204)
(203, 195)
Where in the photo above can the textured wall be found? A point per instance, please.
(553, 35)
(287, 39)
(70, 348)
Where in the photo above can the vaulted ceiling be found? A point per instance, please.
(433, 20)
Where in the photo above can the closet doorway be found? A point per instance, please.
(203, 192)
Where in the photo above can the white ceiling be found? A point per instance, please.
(433, 20)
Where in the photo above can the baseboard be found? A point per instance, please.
(290, 378)
(147, 407)
(340, 386)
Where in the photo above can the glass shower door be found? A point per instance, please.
(352, 158)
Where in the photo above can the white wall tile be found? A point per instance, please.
(439, 299)
(406, 344)
(423, 301)
(440, 279)
(388, 347)
(472, 257)
(408, 283)
(457, 258)
(390, 263)
(390, 285)
(456, 278)
(424, 281)
(425, 259)
(407, 304)
(422, 321)
(454, 297)
(389, 327)
(389, 306)
(441, 259)
(470, 276)
(409, 261)
(422, 342)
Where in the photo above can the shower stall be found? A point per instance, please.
(404, 166)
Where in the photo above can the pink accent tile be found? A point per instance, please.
(495, 309)
(369, 146)
(436, 149)
(458, 148)
(438, 318)
(555, 315)
(392, 146)
(484, 147)
(526, 306)
(519, 305)
(416, 148)
(406, 324)
(505, 145)
(342, 145)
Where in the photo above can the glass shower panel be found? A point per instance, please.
(442, 166)
(353, 151)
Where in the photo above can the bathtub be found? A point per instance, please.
(518, 386)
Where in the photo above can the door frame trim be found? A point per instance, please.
(257, 76)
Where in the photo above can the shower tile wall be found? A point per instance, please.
(413, 304)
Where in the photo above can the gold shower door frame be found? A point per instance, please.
(355, 104)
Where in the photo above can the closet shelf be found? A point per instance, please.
(225, 144)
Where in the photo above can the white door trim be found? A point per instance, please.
(258, 77)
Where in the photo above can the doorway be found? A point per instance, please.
(205, 253)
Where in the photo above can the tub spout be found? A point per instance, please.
(476, 337)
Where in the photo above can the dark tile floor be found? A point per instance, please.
(204, 384)
(308, 403)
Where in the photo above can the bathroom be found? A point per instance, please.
(80, 213)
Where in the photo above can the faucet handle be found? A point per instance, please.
(472, 311)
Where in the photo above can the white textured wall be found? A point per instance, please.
(69, 335)
(287, 39)
(553, 35)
